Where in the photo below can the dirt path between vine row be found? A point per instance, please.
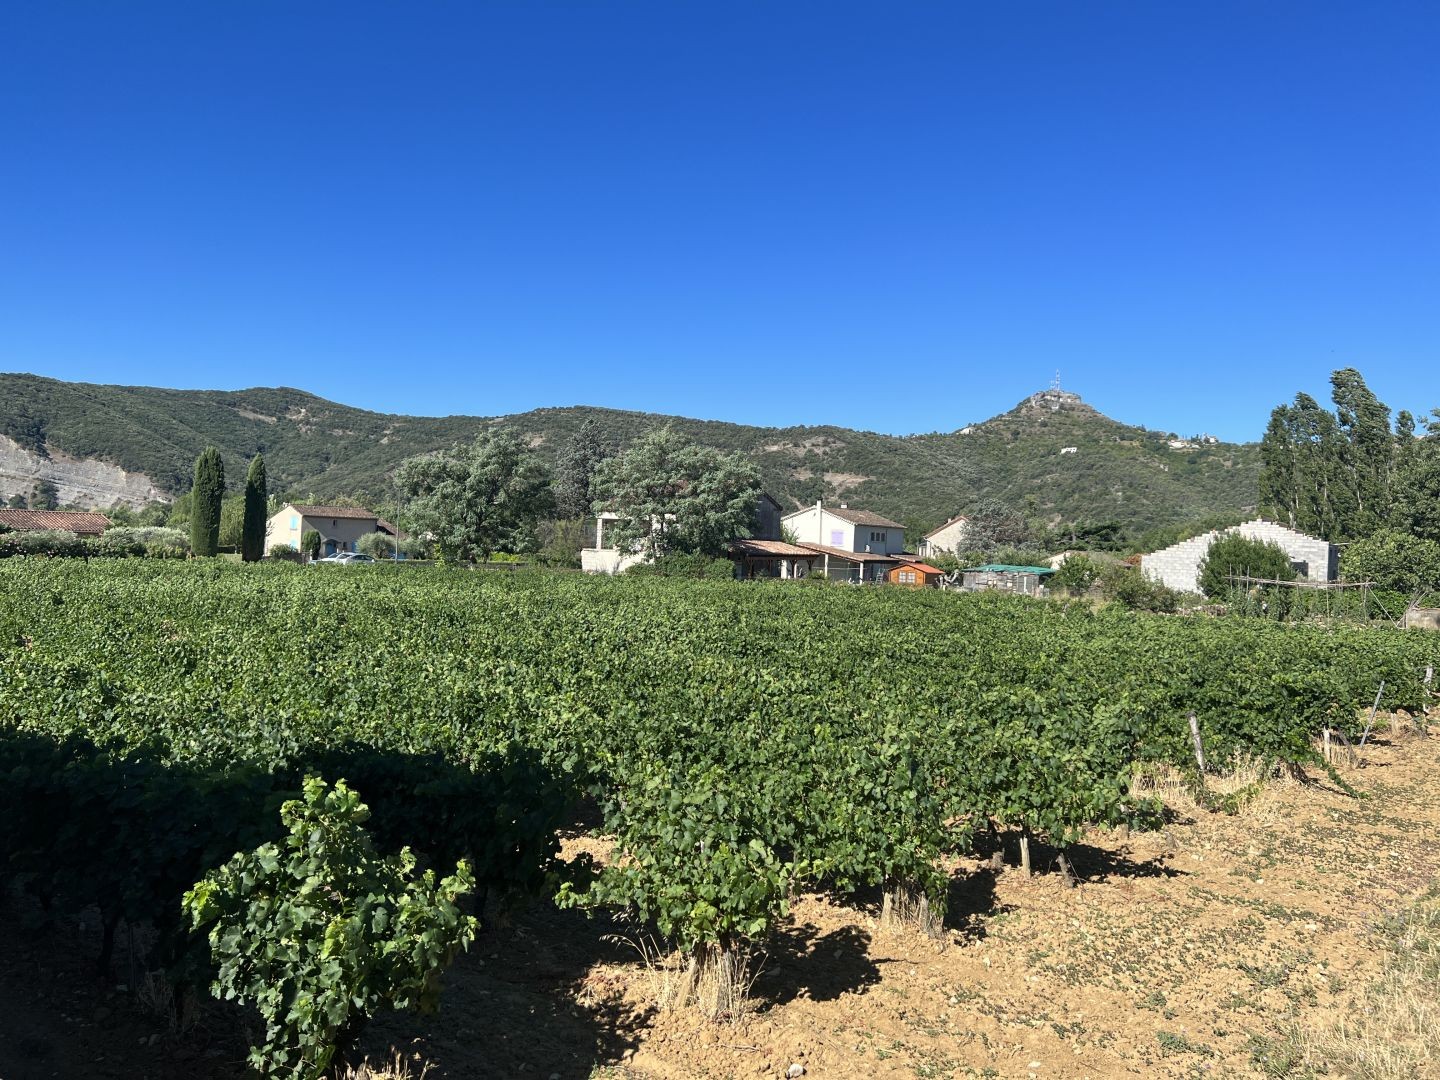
(1185, 952)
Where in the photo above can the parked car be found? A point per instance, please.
(345, 558)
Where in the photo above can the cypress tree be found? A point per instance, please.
(206, 497)
(252, 530)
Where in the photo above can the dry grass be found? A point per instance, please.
(397, 1068)
(1394, 1032)
(717, 982)
(1244, 786)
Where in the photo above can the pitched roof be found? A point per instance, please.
(84, 524)
(952, 521)
(356, 512)
(853, 556)
(775, 549)
(923, 567)
(862, 517)
(389, 527)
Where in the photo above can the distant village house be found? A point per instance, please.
(340, 527)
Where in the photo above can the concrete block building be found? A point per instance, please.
(1178, 566)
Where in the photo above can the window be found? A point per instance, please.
(294, 522)
(907, 577)
(877, 537)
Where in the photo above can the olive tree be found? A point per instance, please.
(673, 495)
(477, 499)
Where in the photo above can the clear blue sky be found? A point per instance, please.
(900, 217)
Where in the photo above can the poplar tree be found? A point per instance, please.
(207, 494)
(252, 529)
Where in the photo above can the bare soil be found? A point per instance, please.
(1189, 951)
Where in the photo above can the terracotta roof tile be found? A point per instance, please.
(771, 548)
(356, 512)
(83, 524)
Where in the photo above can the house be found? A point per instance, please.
(606, 560)
(951, 537)
(771, 559)
(340, 527)
(81, 524)
(1178, 566)
(852, 545)
(762, 554)
(1024, 580)
(915, 573)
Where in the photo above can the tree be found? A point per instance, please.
(1334, 475)
(1416, 506)
(1394, 560)
(993, 524)
(44, 496)
(575, 467)
(252, 529)
(478, 499)
(17, 501)
(1077, 572)
(671, 494)
(1232, 555)
(208, 492)
(310, 544)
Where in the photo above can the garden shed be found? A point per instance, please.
(1026, 580)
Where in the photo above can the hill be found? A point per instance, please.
(102, 444)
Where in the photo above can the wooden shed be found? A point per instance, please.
(915, 573)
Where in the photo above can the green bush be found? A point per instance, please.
(1077, 572)
(377, 545)
(1394, 561)
(1127, 586)
(319, 931)
(682, 565)
(310, 543)
(285, 553)
(1232, 555)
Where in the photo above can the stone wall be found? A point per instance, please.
(1178, 566)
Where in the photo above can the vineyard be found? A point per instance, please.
(739, 742)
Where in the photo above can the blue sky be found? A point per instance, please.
(900, 217)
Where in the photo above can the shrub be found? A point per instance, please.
(377, 545)
(285, 552)
(1077, 572)
(319, 931)
(1232, 555)
(153, 540)
(1394, 560)
(310, 543)
(1126, 585)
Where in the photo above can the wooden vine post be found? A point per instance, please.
(1199, 745)
(1369, 723)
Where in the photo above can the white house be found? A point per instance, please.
(853, 545)
(340, 527)
(953, 536)
(1178, 566)
(762, 554)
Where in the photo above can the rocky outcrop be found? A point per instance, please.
(80, 481)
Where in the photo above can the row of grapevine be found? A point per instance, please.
(742, 739)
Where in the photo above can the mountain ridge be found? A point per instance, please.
(316, 447)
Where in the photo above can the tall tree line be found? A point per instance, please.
(1345, 474)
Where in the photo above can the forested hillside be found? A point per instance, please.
(319, 448)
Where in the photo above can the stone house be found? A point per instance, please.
(340, 527)
(951, 537)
